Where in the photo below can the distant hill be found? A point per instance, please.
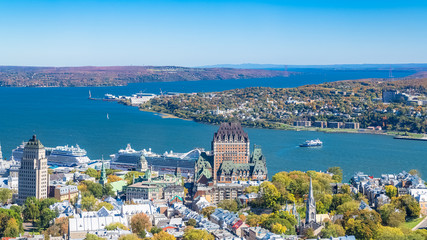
(408, 66)
(121, 75)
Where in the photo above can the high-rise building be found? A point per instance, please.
(230, 144)
(33, 175)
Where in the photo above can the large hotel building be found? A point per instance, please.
(33, 175)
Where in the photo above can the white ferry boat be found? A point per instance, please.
(312, 143)
(68, 156)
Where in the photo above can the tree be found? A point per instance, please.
(93, 173)
(107, 190)
(90, 236)
(270, 194)
(108, 206)
(363, 224)
(31, 209)
(155, 230)
(391, 216)
(337, 171)
(162, 235)
(196, 234)
(348, 207)
(228, 204)
(5, 195)
(129, 237)
(252, 189)
(207, 211)
(139, 223)
(88, 202)
(113, 178)
(415, 172)
(59, 228)
(116, 225)
(46, 216)
(191, 222)
(12, 229)
(278, 228)
(391, 191)
(408, 204)
(332, 230)
(390, 233)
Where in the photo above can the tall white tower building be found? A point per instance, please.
(33, 175)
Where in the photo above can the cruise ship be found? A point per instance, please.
(68, 156)
(61, 155)
(127, 159)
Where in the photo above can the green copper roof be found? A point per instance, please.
(34, 143)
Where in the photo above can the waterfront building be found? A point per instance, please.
(320, 124)
(352, 125)
(335, 124)
(33, 175)
(302, 123)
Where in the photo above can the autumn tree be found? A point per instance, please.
(196, 234)
(139, 223)
(5, 195)
(162, 235)
(107, 205)
(270, 194)
(408, 204)
(391, 191)
(88, 202)
(113, 178)
(338, 175)
(229, 204)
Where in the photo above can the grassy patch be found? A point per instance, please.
(412, 223)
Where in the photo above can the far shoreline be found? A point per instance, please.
(395, 134)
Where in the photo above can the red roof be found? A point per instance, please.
(238, 224)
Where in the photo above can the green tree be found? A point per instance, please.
(270, 194)
(408, 204)
(12, 228)
(338, 175)
(88, 202)
(93, 173)
(348, 207)
(90, 236)
(391, 191)
(391, 216)
(332, 230)
(31, 209)
(363, 224)
(390, 233)
(191, 222)
(196, 234)
(116, 225)
(5, 195)
(46, 216)
(155, 230)
(99, 205)
(207, 211)
(229, 204)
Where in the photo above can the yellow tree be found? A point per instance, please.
(162, 235)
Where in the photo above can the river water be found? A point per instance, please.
(61, 116)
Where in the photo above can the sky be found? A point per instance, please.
(197, 33)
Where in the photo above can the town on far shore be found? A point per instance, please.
(221, 193)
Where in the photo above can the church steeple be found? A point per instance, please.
(310, 214)
(103, 178)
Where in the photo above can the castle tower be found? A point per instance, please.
(103, 178)
(229, 143)
(33, 175)
(310, 214)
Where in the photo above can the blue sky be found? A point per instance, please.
(195, 33)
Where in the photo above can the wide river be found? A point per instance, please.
(61, 116)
